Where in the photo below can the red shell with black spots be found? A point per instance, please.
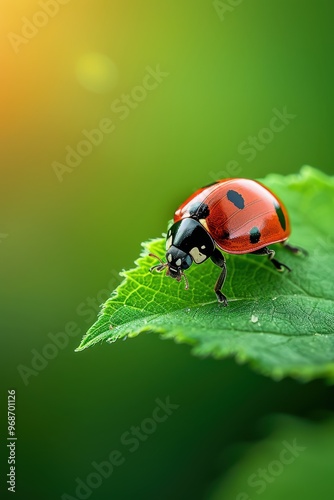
(241, 215)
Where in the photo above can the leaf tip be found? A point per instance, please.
(80, 347)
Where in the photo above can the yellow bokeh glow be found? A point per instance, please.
(96, 72)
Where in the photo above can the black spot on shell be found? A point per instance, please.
(199, 211)
(236, 198)
(254, 235)
(225, 235)
(280, 215)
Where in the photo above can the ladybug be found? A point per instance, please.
(238, 216)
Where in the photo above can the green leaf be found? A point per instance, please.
(281, 323)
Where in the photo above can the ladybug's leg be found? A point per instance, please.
(218, 259)
(296, 250)
(271, 254)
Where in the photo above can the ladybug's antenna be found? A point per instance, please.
(158, 267)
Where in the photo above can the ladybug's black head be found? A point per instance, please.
(177, 262)
(187, 242)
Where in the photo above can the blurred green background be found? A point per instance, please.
(184, 92)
